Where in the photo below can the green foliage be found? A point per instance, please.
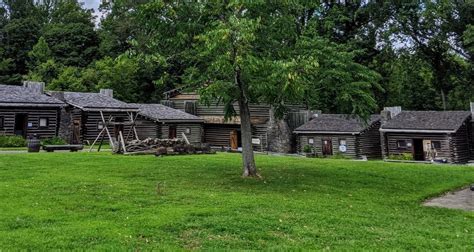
(308, 149)
(53, 141)
(403, 156)
(84, 202)
(12, 141)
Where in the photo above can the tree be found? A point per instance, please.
(70, 34)
(236, 65)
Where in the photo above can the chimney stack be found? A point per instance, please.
(35, 86)
(107, 92)
(58, 95)
(390, 112)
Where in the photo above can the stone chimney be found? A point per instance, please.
(390, 112)
(58, 95)
(107, 92)
(35, 86)
(313, 114)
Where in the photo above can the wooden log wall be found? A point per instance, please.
(392, 138)
(218, 134)
(90, 121)
(194, 136)
(459, 144)
(147, 128)
(369, 143)
(34, 114)
(303, 140)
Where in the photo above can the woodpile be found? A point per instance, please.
(161, 147)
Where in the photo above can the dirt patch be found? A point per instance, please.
(463, 199)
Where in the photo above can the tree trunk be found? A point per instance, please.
(443, 99)
(249, 168)
(248, 160)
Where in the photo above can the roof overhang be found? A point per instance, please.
(109, 109)
(418, 131)
(42, 105)
(326, 132)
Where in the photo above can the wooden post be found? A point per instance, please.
(185, 138)
(97, 138)
(107, 130)
(123, 142)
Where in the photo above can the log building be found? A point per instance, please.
(26, 110)
(268, 133)
(159, 121)
(342, 134)
(427, 135)
(82, 120)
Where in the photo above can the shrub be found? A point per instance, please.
(403, 156)
(12, 141)
(53, 141)
(307, 148)
(338, 155)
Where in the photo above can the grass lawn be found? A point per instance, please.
(104, 201)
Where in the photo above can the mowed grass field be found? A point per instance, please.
(105, 201)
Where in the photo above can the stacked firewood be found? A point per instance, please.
(165, 147)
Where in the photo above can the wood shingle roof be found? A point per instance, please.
(442, 121)
(337, 124)
(94, 101)
(158, 112)
(20, 96)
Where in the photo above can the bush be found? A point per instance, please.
(338, 155)
(53, 141)
(12, 141)
(403, 156)
(307, 149)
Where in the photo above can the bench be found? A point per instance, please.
(69, 147)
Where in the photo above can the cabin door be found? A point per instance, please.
(418, 152)
(234, 140)
(172, 132)
(327, 147)
(76, 132)
(21, 124)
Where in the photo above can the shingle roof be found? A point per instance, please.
(95, 102)
(163, 113)
(427, 121)
(22, 96)
(337, 123)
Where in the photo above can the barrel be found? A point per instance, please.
(34, 144)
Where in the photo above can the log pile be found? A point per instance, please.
(161, 147)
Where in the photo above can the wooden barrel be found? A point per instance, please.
(34, 144)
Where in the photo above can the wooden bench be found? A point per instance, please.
(69, 147)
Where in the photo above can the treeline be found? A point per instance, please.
(417, 54)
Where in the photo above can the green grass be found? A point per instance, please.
(104, 201)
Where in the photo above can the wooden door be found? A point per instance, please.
(21, 124)
(234, 140)
(76, 132)
(327, 147)
(418, 153)
(172, 132)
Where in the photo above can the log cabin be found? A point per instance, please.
(341, 134)
(427, 135)
(159, 121)
(82, 120)
(26, 110)
(268, 133)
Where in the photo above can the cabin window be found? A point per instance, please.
(311, 140)
(436, 145)
(1, 122)
(100, 125)
(342, 142)
(43, 122)
(187, 131)
(403, 144)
